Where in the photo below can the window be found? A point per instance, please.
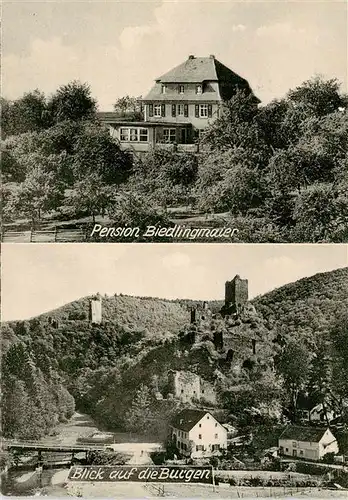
(182, 391)
(198, 89)
(157, 110)
(294, 444)
(169, 134)
(199, 436)
(124, 135)
(301, 452)
(216, 436)
(203, 110)
(143, 135)
(207, 417)
(199, 447)
(215, 424)
(215, 447)
(134, 135)
(163, 89)
(181, 89)
(181, 110)
(199, 425)
(286, 449)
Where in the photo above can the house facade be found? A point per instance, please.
(307, 442)
(180, 105)
(197, 434)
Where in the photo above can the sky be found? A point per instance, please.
(39, 278)
(119, 48)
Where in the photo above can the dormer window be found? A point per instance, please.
(181, 89)
(199, 89)
(163, 89)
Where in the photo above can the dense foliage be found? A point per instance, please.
(277, 172)
(118, 371)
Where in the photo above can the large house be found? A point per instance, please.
(196, 433)
(307, 442)
(179, 106)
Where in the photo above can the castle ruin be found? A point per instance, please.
(189, 387)
(95, 310)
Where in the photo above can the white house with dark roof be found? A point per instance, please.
(182, 102)
(307, 442)
(196, 433)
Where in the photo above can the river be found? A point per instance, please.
(23, 482)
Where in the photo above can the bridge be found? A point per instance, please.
(9, 444)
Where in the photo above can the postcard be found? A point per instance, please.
(181, 371)
(174, 121)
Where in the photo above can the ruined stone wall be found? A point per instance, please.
(188, 386)
(185, 386)
(208, 392)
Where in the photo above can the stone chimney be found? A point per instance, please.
(212, 56)
(191, 56)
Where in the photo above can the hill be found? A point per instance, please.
(306, 306)
(251, 365)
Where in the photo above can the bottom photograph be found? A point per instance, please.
(182, 371)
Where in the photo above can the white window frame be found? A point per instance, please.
(203, 110)
(145, 133)
(157, 110)
(171, 135)
(164, 88)
(181, 110)
(124, 132)
(133, 134)
(181, 89)
(199, 89)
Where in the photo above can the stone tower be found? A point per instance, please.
(95, 310)
(236, 293)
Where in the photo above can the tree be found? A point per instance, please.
(319, 97)
(26, 114)
(230, 181)
(96, 152)
(139, 417)
(339, 337)
(294, 367)
(135, 210)
(91, 195)
(72, 102)
(39, 193)
(321, 214)
(129, 108)
(237, 127)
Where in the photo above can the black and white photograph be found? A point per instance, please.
(174, 121)
(181, 371)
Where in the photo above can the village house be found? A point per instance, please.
(307, 442)
(182, 103)
(197, 434)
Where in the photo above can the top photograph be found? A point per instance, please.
(174, 121)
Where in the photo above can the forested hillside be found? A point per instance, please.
(307, 306)
(289, 343)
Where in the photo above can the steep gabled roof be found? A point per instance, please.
(196, 70)
(308, 434)
(193, 70)
(187, 419)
